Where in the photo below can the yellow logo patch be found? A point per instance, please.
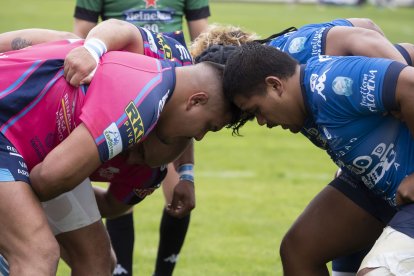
(135, 125)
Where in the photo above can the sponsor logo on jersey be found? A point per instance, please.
(297, 45)
(315, 137)
(184, 54)
(162, 102)
(150, 3)
(317, 42)
(367, 90)
(149, 16)
(113, 140)
(38, 147)
(164, 46)
(151, 41)
(342, 86)
(134, 124)
(108, 173)
(373, 167)
(142, 193)
(317, 83)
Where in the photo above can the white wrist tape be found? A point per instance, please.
(186, 172)
(96, 48)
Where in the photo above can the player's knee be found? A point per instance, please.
(48, 251)
(288, 247)
(113, 260)
(38, 258)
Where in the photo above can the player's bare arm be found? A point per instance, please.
(115, 35)
(196, 27)
(347, 41)
(15, 40)
(66, 166)
(108, 205)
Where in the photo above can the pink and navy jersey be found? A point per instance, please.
(129, 184)
(124, 100)
(39, 108)
(169, 46)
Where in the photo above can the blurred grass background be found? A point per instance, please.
(249, 189)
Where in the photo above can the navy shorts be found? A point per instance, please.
(363, 197)
(12, 165)
(403, 221)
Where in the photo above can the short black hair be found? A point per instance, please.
(246, 70)
(217, 56)
(216, 53)
(249, 65)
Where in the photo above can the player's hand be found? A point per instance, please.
(183, 200)
(405, 191)
(79, 66)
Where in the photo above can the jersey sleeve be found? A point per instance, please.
(196, 9)
(169, 46)
(88, 10)
(124, 100)
(350, 87)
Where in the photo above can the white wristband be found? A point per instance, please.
(96, 48)
(186, 172)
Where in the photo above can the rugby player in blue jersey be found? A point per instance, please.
(335, 38)
(357, 109)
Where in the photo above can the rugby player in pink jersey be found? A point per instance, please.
(123, 122)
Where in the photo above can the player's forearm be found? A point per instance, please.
(405, 97)
(20, 39)
(66, 166)
(118, 35)
(187, 157)
(108, 206)
(196, 27)
(376, 45)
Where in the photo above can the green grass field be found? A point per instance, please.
(251, 188)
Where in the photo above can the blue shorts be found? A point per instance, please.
(357, 192)
(12, 165)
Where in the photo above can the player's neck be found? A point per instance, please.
(294, 87)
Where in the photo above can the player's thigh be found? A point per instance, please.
(23, 222)
(89, 244)
(24, 227)
(169, 182)
(72, 210)
(333, 225)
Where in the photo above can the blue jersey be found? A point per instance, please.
(308, 41)
(349, 99)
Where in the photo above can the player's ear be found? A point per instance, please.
(274, 83)
(197, 99)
